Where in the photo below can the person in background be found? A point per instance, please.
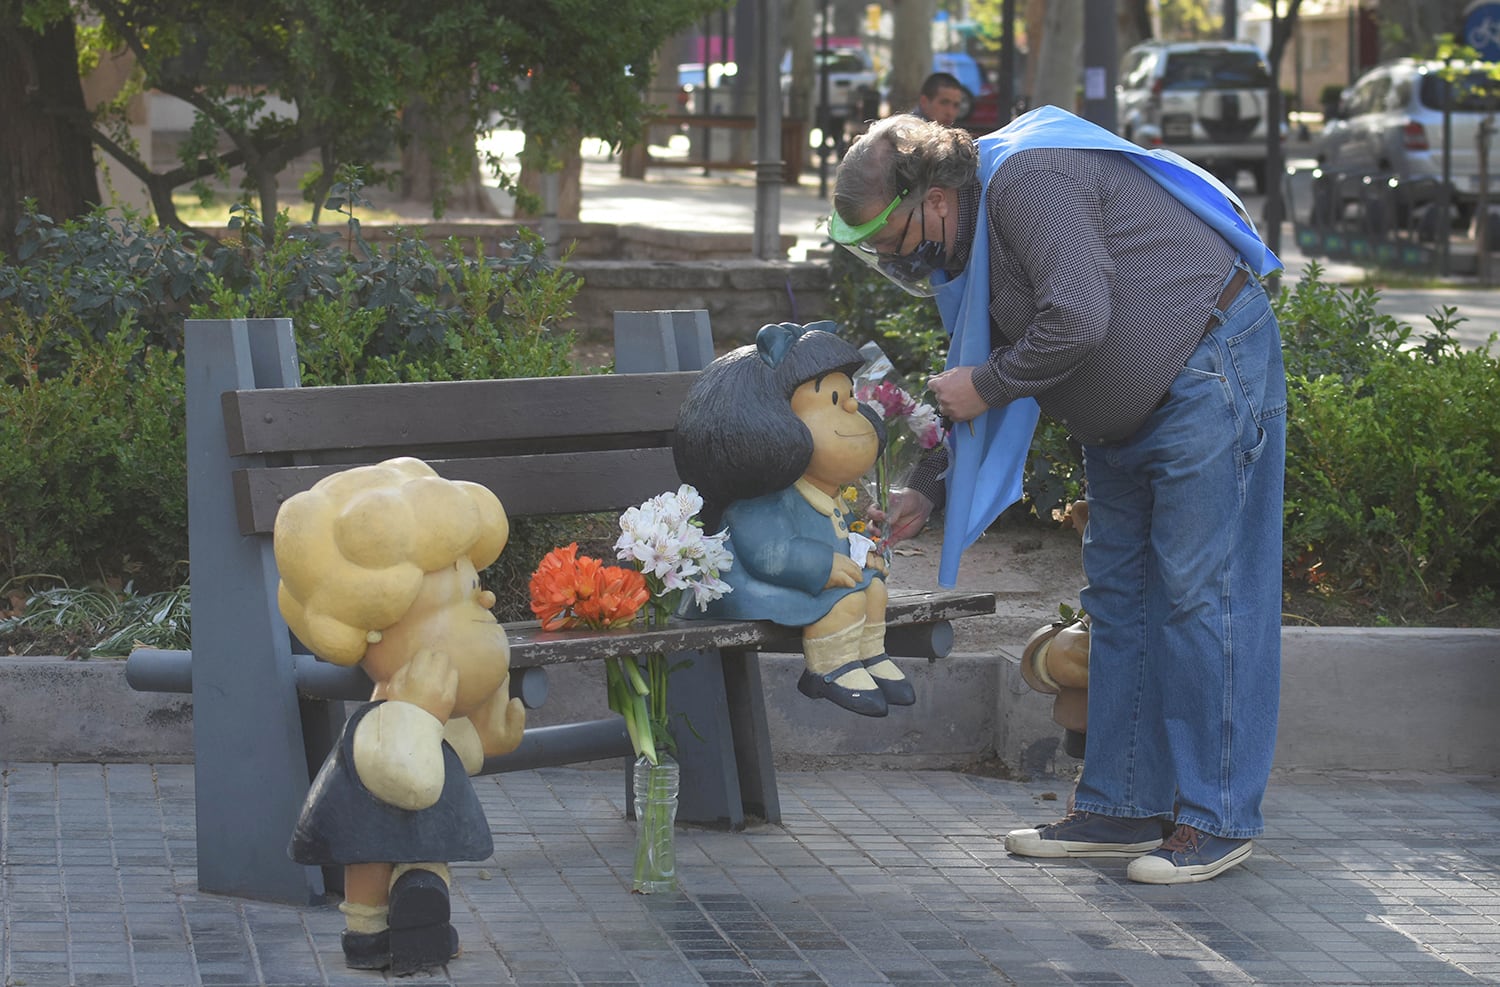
(1117, 290)
(941, 99)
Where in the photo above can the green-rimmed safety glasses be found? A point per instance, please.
(911, 272)
(852, 236)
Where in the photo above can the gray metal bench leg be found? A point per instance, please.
(251, 768)
(752, 736)
(710, 793)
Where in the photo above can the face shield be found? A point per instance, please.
(912, 272)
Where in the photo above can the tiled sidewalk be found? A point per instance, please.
(876, 878)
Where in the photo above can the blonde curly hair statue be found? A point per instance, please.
(352, 550)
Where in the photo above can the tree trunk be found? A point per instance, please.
(424, 178)
(569, 190)
(1058, 61)
(45, 149)
(911, 51)
(802, 99)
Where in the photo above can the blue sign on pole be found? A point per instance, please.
(1482, 29)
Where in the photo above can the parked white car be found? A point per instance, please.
(1206, 100)
(1389, 124)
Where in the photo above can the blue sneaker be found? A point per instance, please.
(1187, 857)
(1087, 834)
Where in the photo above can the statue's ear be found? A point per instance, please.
(774, 342)
(826, 325)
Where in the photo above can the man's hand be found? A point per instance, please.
(908, 514)
(953, 393)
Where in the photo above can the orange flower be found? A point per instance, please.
(569, 590)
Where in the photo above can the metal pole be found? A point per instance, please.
(1274, 168)
(825, 115)
(1231, 19)
(769, 166)
(1445, 193)
(1099, 62)
(1006, 84)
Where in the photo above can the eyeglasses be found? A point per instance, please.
(895, 252)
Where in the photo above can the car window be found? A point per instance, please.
(1369, 95)
(1400, 96)
(841, 61)
(1215, 70)
(1473, 92)
(1137, 70)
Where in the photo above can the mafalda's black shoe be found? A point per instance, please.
(865, 702)
(367, 950)
(421, 938)
(897, 691)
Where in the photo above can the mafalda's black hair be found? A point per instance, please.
(737, 437)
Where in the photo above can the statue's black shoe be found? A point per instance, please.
(421, 938)
(367, 950)
(865, 702)
(897, 692)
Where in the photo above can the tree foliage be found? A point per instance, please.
(551, 67)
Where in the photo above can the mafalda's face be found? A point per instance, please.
(844, 441)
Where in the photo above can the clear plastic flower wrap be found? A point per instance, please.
(913, 428)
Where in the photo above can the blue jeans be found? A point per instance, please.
(1183, 558)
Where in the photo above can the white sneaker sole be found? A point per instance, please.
(1158, 870)
(1029, 843)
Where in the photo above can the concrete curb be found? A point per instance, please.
(1378, 699)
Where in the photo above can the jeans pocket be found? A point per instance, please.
(1255, 356)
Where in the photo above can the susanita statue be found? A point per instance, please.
(379, 566)
(771, 434)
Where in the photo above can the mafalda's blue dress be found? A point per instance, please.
(783, 545)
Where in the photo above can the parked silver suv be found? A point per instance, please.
(1206, 100)
(1389, 124)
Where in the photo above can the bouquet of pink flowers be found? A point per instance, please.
(912, 427)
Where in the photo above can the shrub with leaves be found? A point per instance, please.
(92, 475)
(91, 383)
(1393, 457)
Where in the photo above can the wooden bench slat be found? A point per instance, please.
(526, 485)
(530, 646)
(304, 419)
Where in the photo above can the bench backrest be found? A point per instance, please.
(554, 445)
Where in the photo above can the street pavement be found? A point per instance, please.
(875, 877)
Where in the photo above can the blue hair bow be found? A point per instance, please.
(773, 342)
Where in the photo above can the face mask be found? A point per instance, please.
(910, 271)
(917, 267)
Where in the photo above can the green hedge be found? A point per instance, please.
(91, 382)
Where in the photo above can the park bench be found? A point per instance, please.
(264, 716)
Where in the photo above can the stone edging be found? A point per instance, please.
(1378, 699)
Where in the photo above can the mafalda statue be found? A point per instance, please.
(379, 566)
(770, 435)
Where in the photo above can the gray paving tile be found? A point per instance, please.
(875, 877)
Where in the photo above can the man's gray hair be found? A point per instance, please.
(902, 152)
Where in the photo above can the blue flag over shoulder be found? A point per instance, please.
(986, 467)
